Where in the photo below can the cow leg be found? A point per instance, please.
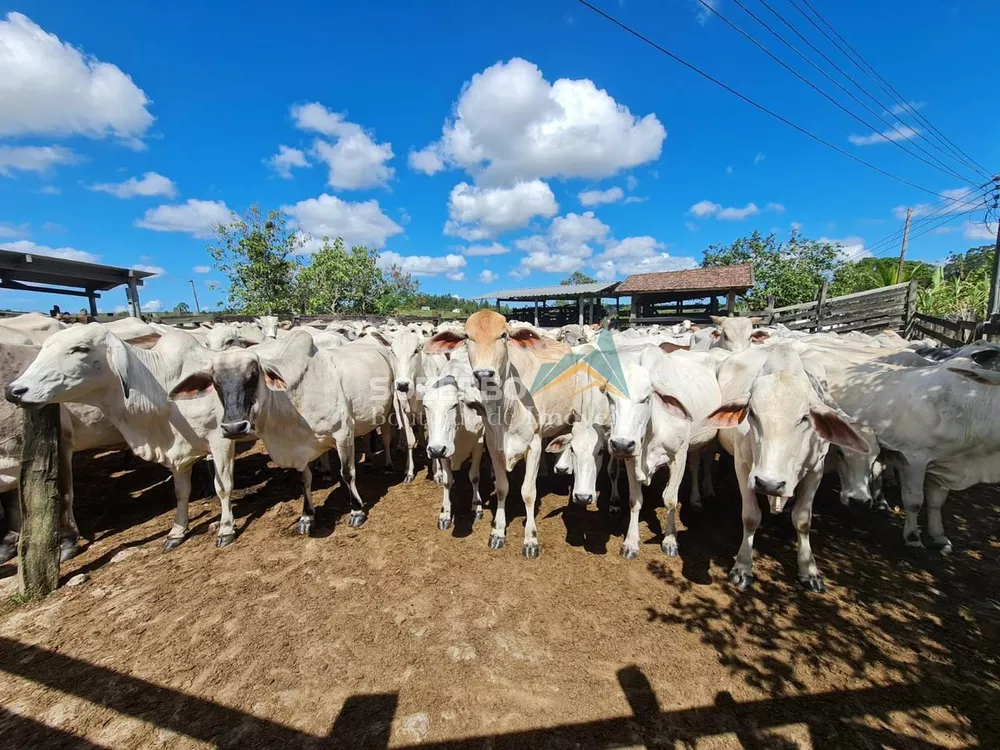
(912, 492)
(529, 491)
(223, 461)
(182, 490)
(878, 487)
(693, 470)
(8, 542)
(498, 534)
(936, 496)
(444, 517)
(809, 575)
(676, 467)
(308, 510)
(324, 465)
(474, 469)
(630, 545)
(614, 474)
(741, 574)
(69, 533)
(407, 436)
(707, 464)
(345, 449)
(387, 445)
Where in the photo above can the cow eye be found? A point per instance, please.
(644, 401)
(79, 349)
(804, 419)
(503, 335)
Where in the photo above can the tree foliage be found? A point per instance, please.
(875, 273)
(258, 256)
(182, 308)
(338, 280)
(791, 271)
(577, 277)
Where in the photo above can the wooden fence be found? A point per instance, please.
(957, 333)
(891, 307)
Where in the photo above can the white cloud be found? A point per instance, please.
(690, 226)
(598, 197)
(759, 158)
(973, 231)
(478, 213)
(963, 199)
(426, 161)
(50, 190)
(66, 253)
(899, 109)
(195, 217)
(703, 14)
(548, 262)
(355, 160)
(480, 250)
(151, 184)
(631, 182)
(202, 269)
(777, 208)
(488, 277)
(154, 305)
(637, 255)
(357, 223)
(286, 158)
(14, 230)
(33, 158)
(49, 87)
(899, 132)
(51, 226)
(708, 209)
(157, 271)
(456, 276)
(425, 265)
(635, 199)
(567, 243)
(510, 124)
(851, 248)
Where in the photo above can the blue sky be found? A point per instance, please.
(481, 145)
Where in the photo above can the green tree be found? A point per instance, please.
(577, 277)
(974, 261)
(400, 290)
(258, 256)
(791, 271)
(182, 308)
(342, 280)
(874, 273)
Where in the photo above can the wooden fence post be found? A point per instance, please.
(820, 301)
(769, 313)
(38, 549)
(911, 308)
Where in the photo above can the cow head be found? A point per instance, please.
(269, 325)
(736, 334)
(221, 337)
(243, 384)
(74, 364)
(446, 403)
(580, 454)
(406, 351)
(855, 470)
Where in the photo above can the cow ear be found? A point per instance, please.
(193, 386)
(716, 335)
(421, 389)
(729, 414)
(379, 338)
(206, 324)
(985, 357)
(443, 342)
(473, 399)
(118, 356)
(558, 444)
(285, 325)
(717, 320)
(273, 378)
(146, 341)
(674, 406)
(670, 347)
(986, 377)
(755, 319)
(525, 338)
(833, 428)
(759, 337)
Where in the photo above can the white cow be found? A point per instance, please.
(90, 365)
(732, 334)
(454, 431)
(655, 423)
(779, 430)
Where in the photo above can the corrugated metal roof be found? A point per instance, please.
(550, 292)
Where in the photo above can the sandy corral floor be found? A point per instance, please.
(396, 634)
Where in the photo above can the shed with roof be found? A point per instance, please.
(694, 294)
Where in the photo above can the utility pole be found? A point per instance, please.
(902, 252)
(994, 309)
(197, 307)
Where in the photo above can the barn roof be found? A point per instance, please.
(715, 279)
(568, 291)
(19, 269)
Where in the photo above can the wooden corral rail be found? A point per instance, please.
(890, 307)
(956, 333)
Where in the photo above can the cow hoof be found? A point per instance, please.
(444, 523)
(224, 540)
(531, 550)
(629, 553)
(881, 506)
(478, 514)
(669, 548)
(7, 552)
(172, 542)
(814, 583)
(740, 579)
(304, 526)
(943, 547)
(358, 517)
(407, 479)
(67, 550)
(497, 542)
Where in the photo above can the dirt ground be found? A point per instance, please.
(397, 634)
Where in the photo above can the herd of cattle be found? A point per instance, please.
(789, 407)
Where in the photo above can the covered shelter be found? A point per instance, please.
(672, 296)
(588, 307)
(27, 272)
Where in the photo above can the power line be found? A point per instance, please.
(864, 66)
(748, 100)
(903, 136)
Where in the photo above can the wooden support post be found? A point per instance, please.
(93, 304)
(633, 310)
(536, 312)
(731, 303)
(133, 294)
(38, 548)
(769, 316)
(911, 308)
(579, 305)
(820, 302)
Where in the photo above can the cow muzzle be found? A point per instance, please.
(15, 393)
(437, 451)
(583, 498)
(233, 430)
(403, 386)
(622, 447)
(562, 471)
